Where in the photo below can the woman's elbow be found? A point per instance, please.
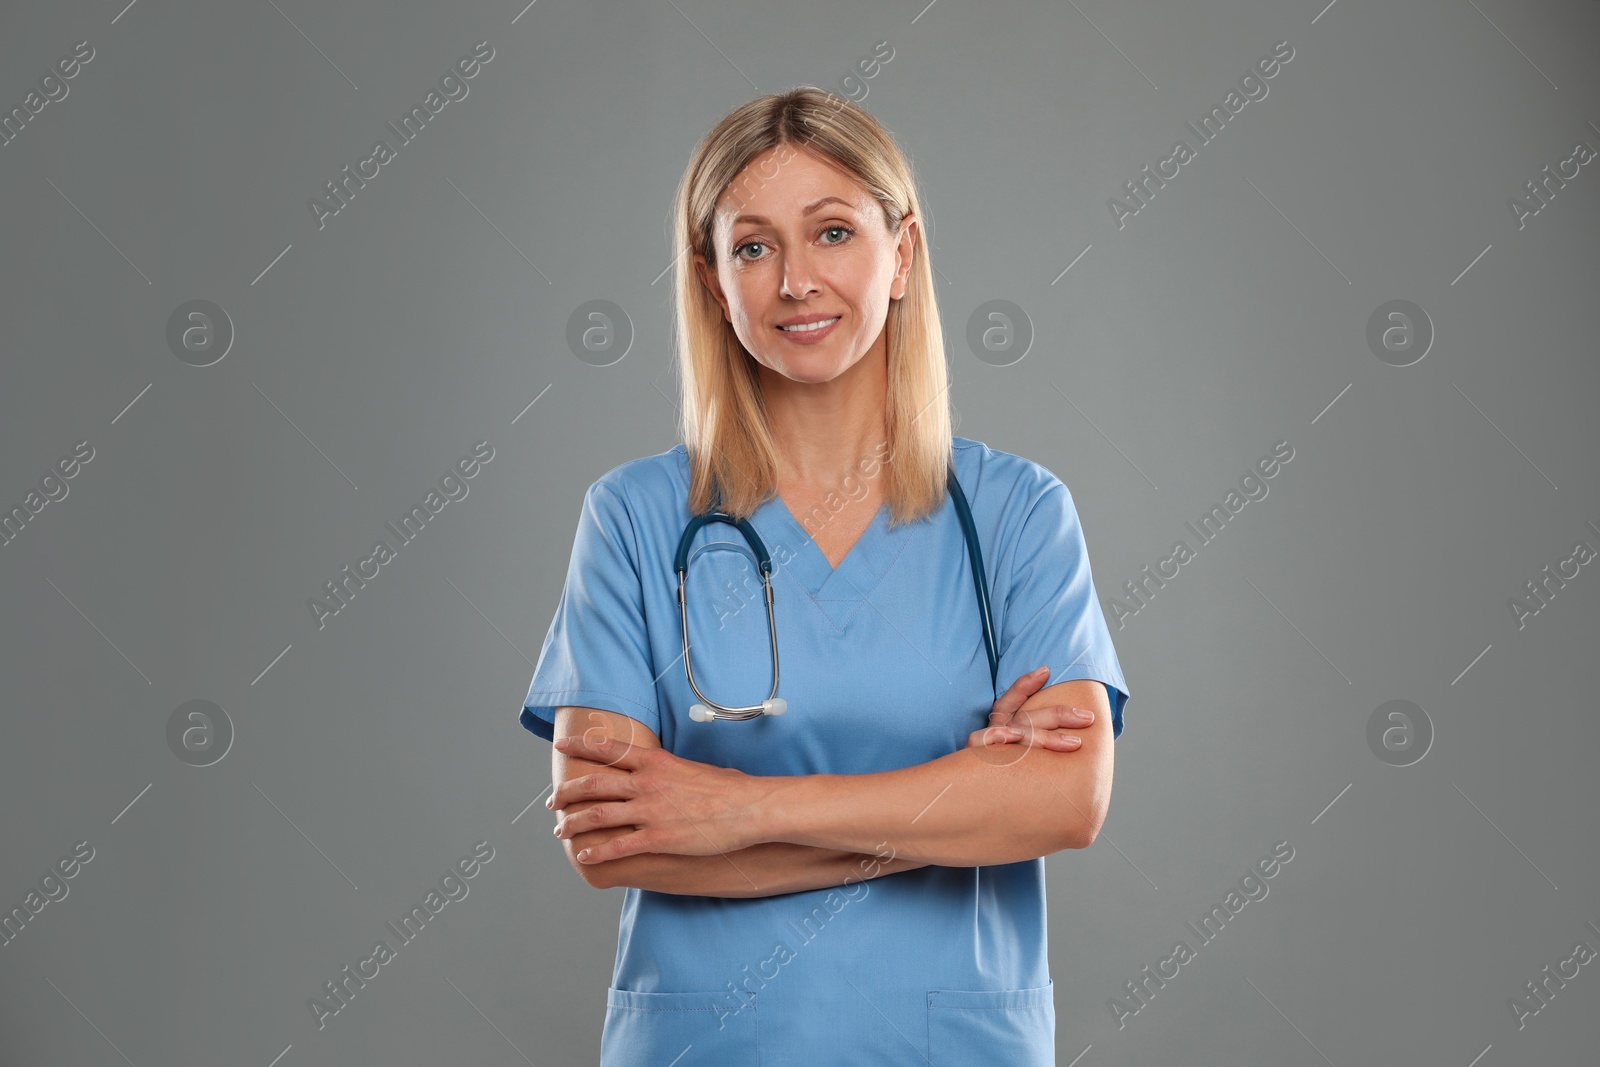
(607, 874)
(1085, 831)
(1090, 816)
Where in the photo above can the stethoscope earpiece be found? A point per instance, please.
(770, 706)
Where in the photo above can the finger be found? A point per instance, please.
(1012, 699)
(598, 817)
(593, 787)
(994, 735)
(596, 746)
(1057, 740)
(1056, 717)
(615, 849)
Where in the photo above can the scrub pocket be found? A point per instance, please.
(681, 1029)
(1016, 1027)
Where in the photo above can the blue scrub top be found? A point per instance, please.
(883, 666)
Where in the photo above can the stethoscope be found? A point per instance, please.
(709, 710)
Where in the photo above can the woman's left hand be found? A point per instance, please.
(677, 806)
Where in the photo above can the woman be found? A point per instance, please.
(859, 879)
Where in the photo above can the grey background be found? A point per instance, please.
(1229, 314)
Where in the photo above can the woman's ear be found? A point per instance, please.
(709, 279)
(905, 252)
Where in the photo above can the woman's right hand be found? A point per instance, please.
(1047, 727)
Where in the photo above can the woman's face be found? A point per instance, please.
(798, 239)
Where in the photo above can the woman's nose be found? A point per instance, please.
(797, 276)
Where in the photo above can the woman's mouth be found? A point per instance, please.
(811, 332)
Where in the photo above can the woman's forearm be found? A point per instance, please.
(973, 807)
(763, 870)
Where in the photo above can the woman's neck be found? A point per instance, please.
(824, 430)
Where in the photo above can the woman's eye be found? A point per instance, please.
(847, 231)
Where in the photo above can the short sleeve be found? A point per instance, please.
(597, 653)
(1052, 616)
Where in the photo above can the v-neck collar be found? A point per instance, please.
(838, 591)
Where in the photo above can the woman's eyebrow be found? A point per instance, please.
(762, 220)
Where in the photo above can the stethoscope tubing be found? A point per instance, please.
(742, 713)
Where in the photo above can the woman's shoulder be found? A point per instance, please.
(1002, 479)
(648, 479)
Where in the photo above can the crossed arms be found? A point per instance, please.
(642, 817)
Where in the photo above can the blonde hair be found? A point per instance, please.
(724, 424)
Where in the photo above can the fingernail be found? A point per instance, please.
(583, 856)
(1038, 672)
